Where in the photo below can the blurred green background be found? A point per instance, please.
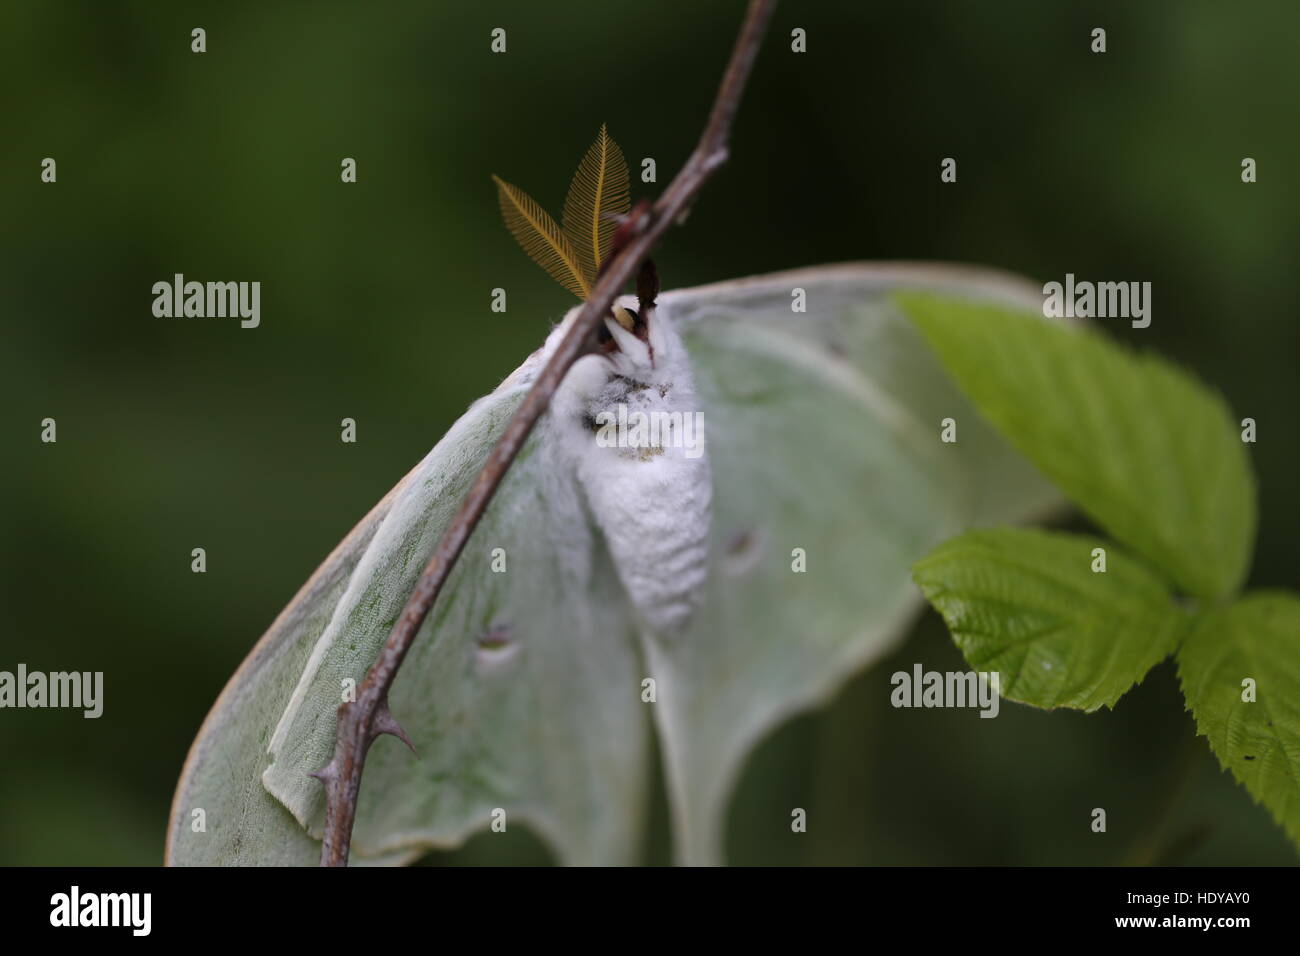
(175, 434)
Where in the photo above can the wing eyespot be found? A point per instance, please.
(743, 551)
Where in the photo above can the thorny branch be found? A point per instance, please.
(363, 720)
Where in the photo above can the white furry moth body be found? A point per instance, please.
(650, 493)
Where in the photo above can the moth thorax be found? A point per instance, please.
(644, 470)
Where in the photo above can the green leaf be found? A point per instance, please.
(1256, 638)
(1028, 605)
(1144, 449)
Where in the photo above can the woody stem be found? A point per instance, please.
(361, 721)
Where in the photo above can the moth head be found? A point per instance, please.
(597, 218)
(635, 315)
(636, 343)
(646, 353)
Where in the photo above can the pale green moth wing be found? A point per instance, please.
(823, 429)
(221, 814)
(521, 692)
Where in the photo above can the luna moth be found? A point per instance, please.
(615, 591)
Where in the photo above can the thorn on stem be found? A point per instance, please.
(385, 723)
